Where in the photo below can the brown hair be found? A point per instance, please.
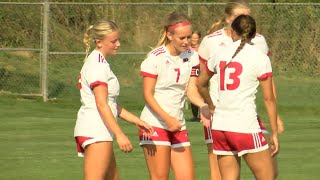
(198, 33)
(245, 27)
(98, 31)
(172, 19)
(228, 11)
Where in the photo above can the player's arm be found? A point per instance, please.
(129, 117)
(193, 93)
(203, 85)
(148, 91)
(101, 95)
(271, 107)
(279, 120)
(196, 99)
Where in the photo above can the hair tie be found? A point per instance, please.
(180, 24)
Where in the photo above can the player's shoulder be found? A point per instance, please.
(158, 52)
(215, 34)
(256, 52)
(258, 38)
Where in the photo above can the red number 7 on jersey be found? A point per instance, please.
(178, 73)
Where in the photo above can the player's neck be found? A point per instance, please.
(172, 51)
(227, 30)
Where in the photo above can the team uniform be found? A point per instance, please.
(172, 74)
(215, 42)
(90, 127)
(235, 128)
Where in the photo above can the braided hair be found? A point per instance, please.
(245, 27)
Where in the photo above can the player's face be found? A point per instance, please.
(180, 39)
(195, 39)
(237, 12)
(110, 44)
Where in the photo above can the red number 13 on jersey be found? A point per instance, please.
(232, 76)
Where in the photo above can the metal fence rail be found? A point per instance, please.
(41, 43)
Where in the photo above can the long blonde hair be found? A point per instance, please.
(98, 31)
(172, 19)
(228, 11)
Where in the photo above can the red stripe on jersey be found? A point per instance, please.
(218, 33)
(201, 59)
(161, 52)
(265, 76)
(195, 71)
(97, 83)
(145, 74)
(158, 50)
(208, 70)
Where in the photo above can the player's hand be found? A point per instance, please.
(275, 146)
(173, 124)
(145, 128)
(205, 116)
(124, 143)
(280, 125)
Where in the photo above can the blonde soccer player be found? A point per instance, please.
(236, 133)
(218, 38)
(169, 74)
(96, 125)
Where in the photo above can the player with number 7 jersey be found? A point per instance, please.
(172, 74)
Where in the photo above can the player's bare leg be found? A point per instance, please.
(97, 160)
(260, 164)
(274, 158)
(182, 163)
(229, 167)
(213, 163)
(112, 173)
(158, 161)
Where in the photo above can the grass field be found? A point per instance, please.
(37, 138)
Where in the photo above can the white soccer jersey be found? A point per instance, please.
(172, 73)
(95, 71)
(214, 43)
(236, 109)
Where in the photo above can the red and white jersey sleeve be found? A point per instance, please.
(95, 72)
(260, 42)
(236, 109)
(212, 43)
(172, 74)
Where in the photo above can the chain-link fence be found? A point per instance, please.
(41, 49)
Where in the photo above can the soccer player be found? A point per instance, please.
(96, 123)
(217, 39)
(240, 68)
(169, 73)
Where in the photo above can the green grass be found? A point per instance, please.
(37, 138)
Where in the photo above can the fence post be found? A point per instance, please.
(186, 103)
(44, 60)
(189, 10)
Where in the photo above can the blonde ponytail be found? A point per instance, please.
(216, 26)
(87, 41)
